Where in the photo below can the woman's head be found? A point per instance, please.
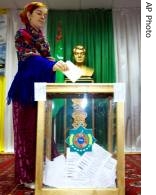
(34, 14)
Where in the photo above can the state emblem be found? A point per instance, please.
(80, 140)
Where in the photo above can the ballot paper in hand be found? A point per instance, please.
(74, 72)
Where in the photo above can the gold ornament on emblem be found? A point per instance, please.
(79, 115)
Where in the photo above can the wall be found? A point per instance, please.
(2, 111)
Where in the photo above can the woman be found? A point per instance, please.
(34, 65)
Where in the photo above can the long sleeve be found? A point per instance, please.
(33, 65)
(33, 69)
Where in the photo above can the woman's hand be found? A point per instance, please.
(60, 66)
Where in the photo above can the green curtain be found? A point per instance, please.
(92, 28)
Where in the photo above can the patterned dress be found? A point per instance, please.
(31, 68)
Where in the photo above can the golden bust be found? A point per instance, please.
(79, 53)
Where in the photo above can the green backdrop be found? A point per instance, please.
(92, 28)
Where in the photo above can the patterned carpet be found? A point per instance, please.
(7, 181)
(133, 174)
(8, 185)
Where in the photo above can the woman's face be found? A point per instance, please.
(38, 17)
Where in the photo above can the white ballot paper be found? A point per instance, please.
(54, 172)
(96, 169)
(74, 72)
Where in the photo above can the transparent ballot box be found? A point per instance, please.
(80, 140)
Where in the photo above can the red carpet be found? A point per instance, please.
(7, 181)
(9, 187)
(133, 174)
